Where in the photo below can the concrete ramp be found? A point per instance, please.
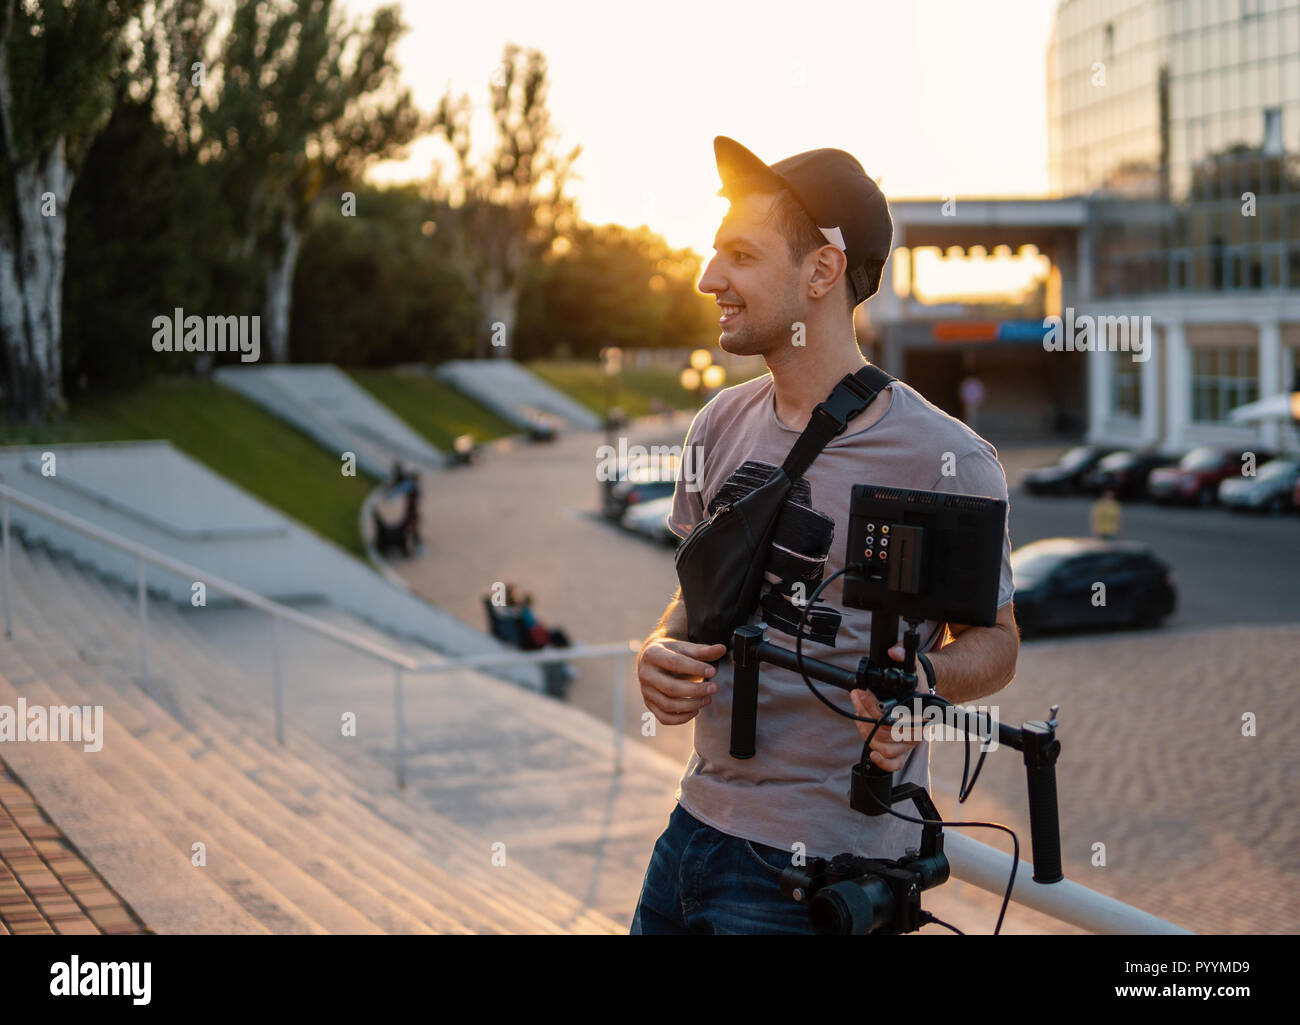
(515, 394)
(151, 493)
(328, 406)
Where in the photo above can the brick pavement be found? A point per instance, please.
(46, 886)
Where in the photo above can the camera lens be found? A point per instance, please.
(852, 908)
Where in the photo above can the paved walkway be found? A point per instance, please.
(1196, 820)
(45, 884)
(528, 514)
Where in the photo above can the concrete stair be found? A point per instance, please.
(299, 838)
(327, 405)
(516, 394)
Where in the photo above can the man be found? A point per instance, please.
(803, 243)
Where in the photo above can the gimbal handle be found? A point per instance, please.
(1036, 740)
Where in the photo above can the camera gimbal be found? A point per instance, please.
(853, 895)
(914, 555)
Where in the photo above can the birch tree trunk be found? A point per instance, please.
(500, 306)
(33, 240)
(279, 290)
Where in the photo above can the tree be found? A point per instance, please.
(382, 288)
(58, 61)
(613, 285)
(306, 101)
(151, 229)
(509, 211)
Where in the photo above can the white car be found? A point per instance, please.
(650, 519)
(1269, 490)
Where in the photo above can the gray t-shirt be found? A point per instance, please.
(795, 789)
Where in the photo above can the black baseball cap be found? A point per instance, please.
(845, 205)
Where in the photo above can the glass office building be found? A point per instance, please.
(1180, 121)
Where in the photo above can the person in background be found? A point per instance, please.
(535, 633)
(411, 514)
(540, 635)
(1105, 516)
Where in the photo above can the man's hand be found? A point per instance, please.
(886, 752)
(675, 677)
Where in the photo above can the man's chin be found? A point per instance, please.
(740, 343)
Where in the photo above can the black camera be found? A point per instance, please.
(853, 896)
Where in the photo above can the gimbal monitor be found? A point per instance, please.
(924, 555)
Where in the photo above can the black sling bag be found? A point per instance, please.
(721, 562)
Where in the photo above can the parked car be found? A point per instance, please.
(627, 493)
(1065, 476)
(1196, 478)
(650, 519)
(1056, 585)
(1295, 497)
(1126, 472)
(1270, 490)
(638, 481)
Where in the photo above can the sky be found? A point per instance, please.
(934, 97)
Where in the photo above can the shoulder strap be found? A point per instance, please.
(851, 396)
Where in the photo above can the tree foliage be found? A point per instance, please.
(612, 285)
(509, 208)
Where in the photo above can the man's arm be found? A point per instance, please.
(981, 660)
(675, 675)
(673, 622)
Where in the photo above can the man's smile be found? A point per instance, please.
(730, 312)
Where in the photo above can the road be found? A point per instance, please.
(1228, 567)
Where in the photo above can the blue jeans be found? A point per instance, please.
(701, 880)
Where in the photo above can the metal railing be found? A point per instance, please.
(401, 664)
(971, 861)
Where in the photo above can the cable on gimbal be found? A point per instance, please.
(962, 793)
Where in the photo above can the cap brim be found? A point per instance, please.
(734, 161)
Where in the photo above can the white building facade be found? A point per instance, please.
(1180, 122)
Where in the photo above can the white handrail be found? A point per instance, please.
(989, 868)
(210, 581)
(400, 663)
(254, 600)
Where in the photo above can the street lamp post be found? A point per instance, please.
(612, 360)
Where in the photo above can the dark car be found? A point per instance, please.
(1126, 473)
(1056, 585)
(1196, 478)
(1065, 476)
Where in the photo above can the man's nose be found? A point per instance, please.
(711, 283)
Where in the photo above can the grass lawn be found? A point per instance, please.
(232, 437)
(432, 408)
(635, 386)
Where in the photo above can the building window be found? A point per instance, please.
(1223, 379)
(1126, 385)
(1273, 132)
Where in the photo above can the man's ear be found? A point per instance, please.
(829, 267)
